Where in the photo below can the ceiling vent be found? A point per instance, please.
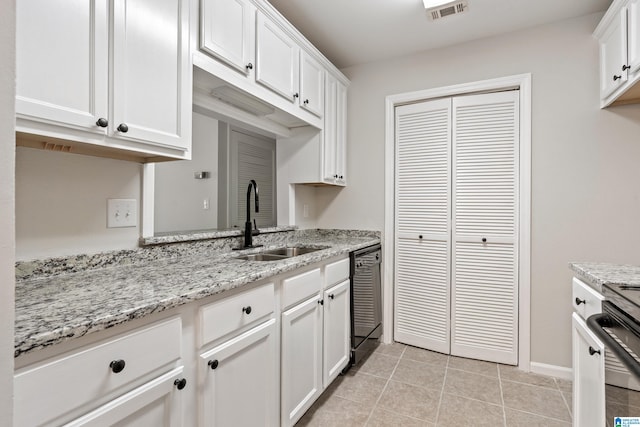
(452, 8)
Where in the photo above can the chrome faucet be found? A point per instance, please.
(248, 227)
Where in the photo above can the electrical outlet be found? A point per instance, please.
(122, 213)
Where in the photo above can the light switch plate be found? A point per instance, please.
(122, 213)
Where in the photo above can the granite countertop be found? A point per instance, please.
(597, 274)
(65, 298)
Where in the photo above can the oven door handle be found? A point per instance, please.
(597, 323)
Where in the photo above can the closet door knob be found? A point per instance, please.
(102, 122)
(213, 364)
(180, 384)
(117, 365)
(122, 127)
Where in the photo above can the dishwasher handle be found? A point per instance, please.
(597, 324)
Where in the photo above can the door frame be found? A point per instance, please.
(523, 83)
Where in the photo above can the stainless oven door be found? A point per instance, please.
(621, 337)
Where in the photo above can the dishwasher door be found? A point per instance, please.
(366, 301)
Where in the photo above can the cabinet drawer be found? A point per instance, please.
(336, 272)
(297, 288)
(586, 300)
(230, 314)
(47, 391)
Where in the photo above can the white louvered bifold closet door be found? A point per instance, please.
(484, 285)
(423, 153)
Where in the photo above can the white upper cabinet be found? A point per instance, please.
(150, 94)
(311, 85)
(227, 31)
(69, 46)
(613, 55)
(115, 75)
(335, 133)
(276, 59)
(619, 37)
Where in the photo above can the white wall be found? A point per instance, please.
(7, 241)
(585, 166)
(61, 203)
(176, 186)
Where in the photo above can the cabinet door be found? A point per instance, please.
(151, 92)
(311, 85)
(613, 55)
(341, 134)
(330, 130)
(276, 59)
(633, 35)
(62, 62)
(301, 358)
(588, 376)
(239, 382)
(228, 32)
(337, 321)
(157, 403)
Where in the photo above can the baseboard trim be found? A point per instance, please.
(552, 370)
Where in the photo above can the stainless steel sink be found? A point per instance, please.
(279, 253)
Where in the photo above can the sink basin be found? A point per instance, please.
(291, 252)
(262, 257)
(279, 254)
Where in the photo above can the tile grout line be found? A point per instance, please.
(444, 381)
(375, 406)
(563, 398)
(504, 411)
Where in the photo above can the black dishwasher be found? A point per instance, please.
(366, 301)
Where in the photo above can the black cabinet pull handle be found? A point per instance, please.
(117, 365)
(625, 67)
(580, 301)
(341, 177)
(102, 122)
(122, 127)
(249, 66)
(420, 236)
(295, 95)
(593, 351)
(213, 364)
(180, 384)
(331, 296)
(321, 302)
(616, 78)
(306, 102)
(484, 240)
(246, 309)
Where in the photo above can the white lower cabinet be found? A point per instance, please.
(301, 358)
(337, 320)
(588, 376)
(156, 403)
(239, 380)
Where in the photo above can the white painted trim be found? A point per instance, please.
(523, 82)
(552, 371)
(148, 198)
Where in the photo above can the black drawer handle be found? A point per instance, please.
(213, 364)
(246, 309)
(593, 351)
(321, 302)
(180, 384)
(331, 296)
(117, 365)
(580, 301)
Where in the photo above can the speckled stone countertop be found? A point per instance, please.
(597, 274)
(60, 299)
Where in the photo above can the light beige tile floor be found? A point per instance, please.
(400, 385)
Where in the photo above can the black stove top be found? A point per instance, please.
(624, 297)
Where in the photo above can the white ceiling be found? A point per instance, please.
(350, 32)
